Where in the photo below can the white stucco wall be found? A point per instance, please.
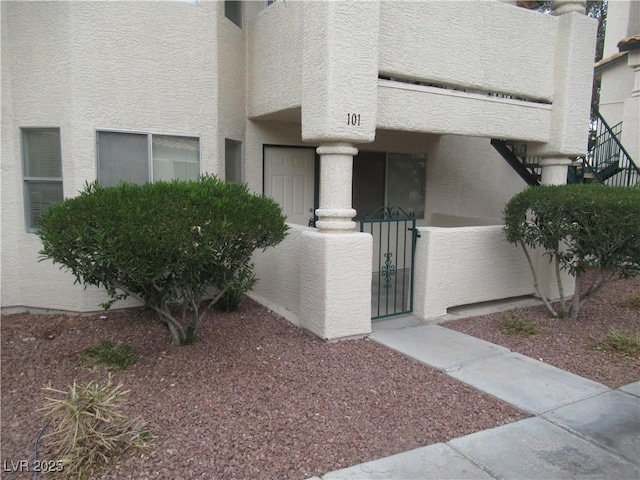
(483, 45)
(419, 108)
(623, 20)
(572, 85)
(278, 270)
(468, 183)
(616, 86)
(106, 65)
(460, 266)
(231, 71)
(339, 86)
(274, 56)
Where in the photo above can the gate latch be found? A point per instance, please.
(417, 232)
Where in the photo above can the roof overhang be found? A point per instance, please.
(608, 62)
(629, 43)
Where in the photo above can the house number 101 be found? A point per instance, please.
(353, 119)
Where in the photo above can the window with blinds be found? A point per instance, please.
(42, 172)
(145, 157)
(232, 161)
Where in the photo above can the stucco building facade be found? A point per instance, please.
(332, 108)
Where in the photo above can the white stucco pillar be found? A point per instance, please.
(336, 267)
(573, 73)
(554, 170)
(336, 173)
(339, 109)
(561, 7)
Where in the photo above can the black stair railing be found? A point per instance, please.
(608, 160)
(516, 155)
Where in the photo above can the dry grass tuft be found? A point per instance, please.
(89, 429)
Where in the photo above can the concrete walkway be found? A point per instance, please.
(578, 428)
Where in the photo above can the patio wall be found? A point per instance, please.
(278, 270)
(464, 265)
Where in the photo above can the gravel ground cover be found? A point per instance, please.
(254, 398)
(569, 344)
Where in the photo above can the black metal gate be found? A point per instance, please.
(394, 241)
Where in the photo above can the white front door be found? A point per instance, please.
(289, 179)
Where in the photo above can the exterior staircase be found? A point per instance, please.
(607, 162)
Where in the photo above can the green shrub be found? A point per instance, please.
(620, 342)
(89, 429)
(580, 228)
(164, 243)
(516, 323)
(108, 354)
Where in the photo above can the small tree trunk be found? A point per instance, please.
(552, 312)
(177, 331)
(563, 302)
(575, 305)
(175, 334)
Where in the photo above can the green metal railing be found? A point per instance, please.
(608, 161)
(394, 239)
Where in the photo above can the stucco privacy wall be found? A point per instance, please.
(106, 65)
(278, 271)
(460, 266)
(415, 44)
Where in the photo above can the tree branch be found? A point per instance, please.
(535, 281)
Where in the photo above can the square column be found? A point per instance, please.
(335, 291)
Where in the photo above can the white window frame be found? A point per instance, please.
(31, 179)
(149, 134)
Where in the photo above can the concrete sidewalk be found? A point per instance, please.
(579, 429)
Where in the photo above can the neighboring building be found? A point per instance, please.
(619, 74)
(326, 106)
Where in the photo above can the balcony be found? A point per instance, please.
(481, 68)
